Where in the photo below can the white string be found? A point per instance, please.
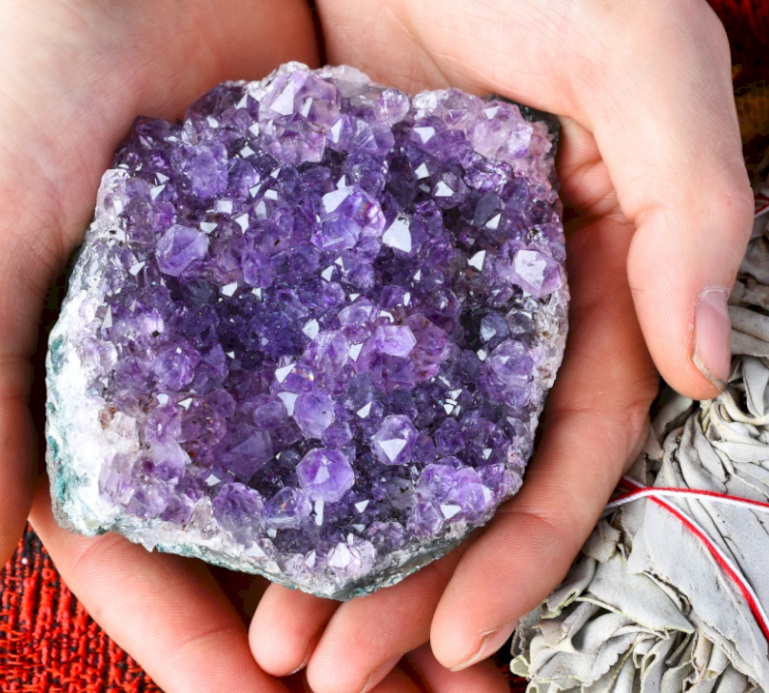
(648, 492)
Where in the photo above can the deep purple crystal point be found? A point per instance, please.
(311, 329)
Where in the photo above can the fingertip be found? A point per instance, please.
(380, 674)
(485, 646)
(285, 629)
(469, 626)
(469, 615)
(279, 660)
(368, 635)
(396, 681)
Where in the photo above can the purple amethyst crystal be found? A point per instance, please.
(394, 441)
(325, 475)
(311, 329)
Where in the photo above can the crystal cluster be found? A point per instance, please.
(311, 329)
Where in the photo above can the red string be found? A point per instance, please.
(657, 491)
(734, 575)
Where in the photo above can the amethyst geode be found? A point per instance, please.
(311, 329)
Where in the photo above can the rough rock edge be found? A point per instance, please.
(75, 442)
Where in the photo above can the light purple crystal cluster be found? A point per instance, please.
(311, 329)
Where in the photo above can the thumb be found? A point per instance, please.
(681, 180)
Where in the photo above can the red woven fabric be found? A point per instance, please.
(48, 643)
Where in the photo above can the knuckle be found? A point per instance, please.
(675, 20)
(733, 211)
(741, 210)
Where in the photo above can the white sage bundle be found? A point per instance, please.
(647, 607)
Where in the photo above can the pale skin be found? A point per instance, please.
(660, 212)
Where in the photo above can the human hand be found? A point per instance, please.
(72, 78)
(652, 174)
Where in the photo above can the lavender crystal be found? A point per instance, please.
(311, 329)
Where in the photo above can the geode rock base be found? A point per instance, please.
(311, 329)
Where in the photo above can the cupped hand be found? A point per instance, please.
(650, 164)
(653, 178)
(73, 76)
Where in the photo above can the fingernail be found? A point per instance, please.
(307, 654)
(712, 332)
(379, 673)
(300, 667)
(491, 641)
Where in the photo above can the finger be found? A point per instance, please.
(597, 415)
(372, 633)
(167, 612)
(397, 681)
(25, 271)
(481, 678)
(15, 452)
(681, 179)
(286, 628)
